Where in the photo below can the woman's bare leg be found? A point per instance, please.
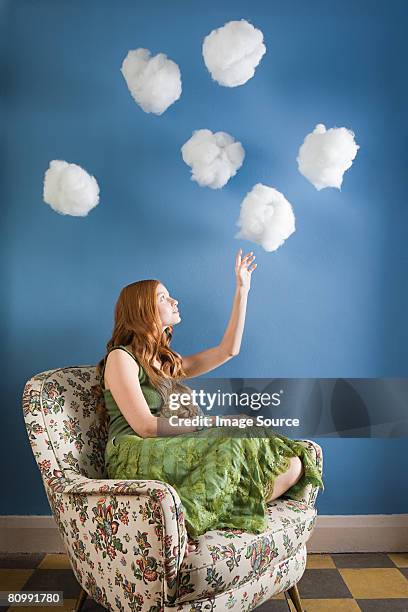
(284, 481)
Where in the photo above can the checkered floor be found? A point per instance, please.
(331, 583)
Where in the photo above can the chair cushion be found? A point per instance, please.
(227, 558)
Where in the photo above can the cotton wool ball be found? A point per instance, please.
(266, 217)
(69, 189)
(232, 52)
(325, 155)
(154, 82)
(213, 158)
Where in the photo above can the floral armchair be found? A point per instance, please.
(123, 538)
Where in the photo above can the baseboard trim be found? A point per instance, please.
(360, 533)
(332, 534)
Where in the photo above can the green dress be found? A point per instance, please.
(221, 479)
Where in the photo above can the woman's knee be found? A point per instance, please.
(295, 471)
(286, 480)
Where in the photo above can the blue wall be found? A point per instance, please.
(331, 302)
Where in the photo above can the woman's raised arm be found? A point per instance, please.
(208, 360)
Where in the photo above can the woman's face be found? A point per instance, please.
(167, 306)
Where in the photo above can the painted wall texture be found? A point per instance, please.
(331, 302)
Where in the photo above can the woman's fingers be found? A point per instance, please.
(248, 260)
(247, 257)
(245, 261)
(238, 259)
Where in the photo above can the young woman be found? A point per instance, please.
(222, 480)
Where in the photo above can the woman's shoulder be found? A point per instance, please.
(126, 349)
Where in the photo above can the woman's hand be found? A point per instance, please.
(244, 269)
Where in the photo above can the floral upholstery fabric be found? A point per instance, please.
(123, 537)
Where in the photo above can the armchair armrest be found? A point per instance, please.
(308, 494)
(146, 512)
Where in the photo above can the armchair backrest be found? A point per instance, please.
(62, 413)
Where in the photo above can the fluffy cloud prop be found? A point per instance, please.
(213, 158)
(325, 155)
(154, 82)
(266, 217)
(232, 53)
(69, 189)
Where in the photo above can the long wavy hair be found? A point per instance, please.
(138, 325)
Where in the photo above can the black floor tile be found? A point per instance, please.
(54, 580)
(383, 605)
(274, 605)
(322, 584)
(91, 606)
(21, 561)
(363, 560)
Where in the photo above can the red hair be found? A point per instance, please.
(138, 325)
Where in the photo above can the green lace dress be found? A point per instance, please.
(222, 480)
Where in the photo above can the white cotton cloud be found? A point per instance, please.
(213, 158)
(325, 155)
(69, 189)
(232, 53)
(154, 82)
(266, 217)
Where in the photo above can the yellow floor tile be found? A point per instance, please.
(68, 606)
(55, 561)
(375, 583)
(320, 562)
(400, 559)
(13, 579)
(334, 605)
